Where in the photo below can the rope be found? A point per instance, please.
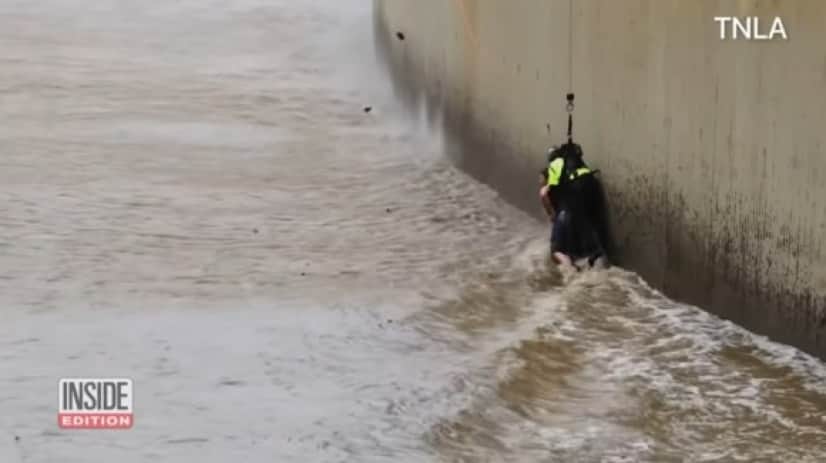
(569, 107)
(570, 96)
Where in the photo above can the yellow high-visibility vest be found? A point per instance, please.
(555, 171)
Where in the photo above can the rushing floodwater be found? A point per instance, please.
(194, 197)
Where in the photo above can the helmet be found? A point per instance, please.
(552, 152)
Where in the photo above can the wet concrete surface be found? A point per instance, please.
(710, 161)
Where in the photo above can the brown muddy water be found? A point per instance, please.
(194, 197)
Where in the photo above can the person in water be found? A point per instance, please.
(558, 219)
(569, 195)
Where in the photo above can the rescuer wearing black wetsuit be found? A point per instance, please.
(571, 194)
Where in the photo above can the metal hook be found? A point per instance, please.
(570, 106)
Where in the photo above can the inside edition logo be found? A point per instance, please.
(94, 403)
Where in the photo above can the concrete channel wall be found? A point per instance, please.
(712, 152)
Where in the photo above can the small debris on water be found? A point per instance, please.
(303, 274)
(367, 109)
(400, 35)
(230, 382)
(255, 230)
(388, 210)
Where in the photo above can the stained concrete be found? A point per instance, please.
(712, 152)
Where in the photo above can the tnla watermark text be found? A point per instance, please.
(750, 28)
(95, 403)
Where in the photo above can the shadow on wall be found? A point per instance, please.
(603, 224)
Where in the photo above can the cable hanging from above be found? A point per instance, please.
(569, 107)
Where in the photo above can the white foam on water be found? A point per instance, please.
(647, 355)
